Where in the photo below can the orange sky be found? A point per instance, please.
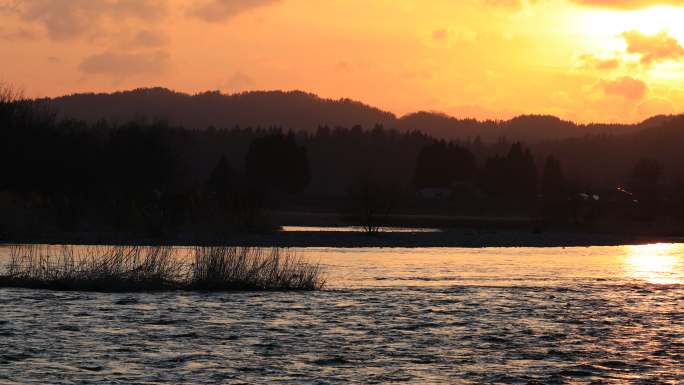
(585, 60)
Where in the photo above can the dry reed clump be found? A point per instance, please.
(138, 268)
(230, 268)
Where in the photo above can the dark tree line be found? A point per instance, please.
(512, 184)
(147, 179)
(151, 178)
(441, 164)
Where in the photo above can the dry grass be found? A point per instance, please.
(230, 268)
(136, 268)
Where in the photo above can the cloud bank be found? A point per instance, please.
(222, 10)
(653, 48)
(123, 65)
(68, 19)
(626, 87)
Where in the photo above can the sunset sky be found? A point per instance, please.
(585, 60)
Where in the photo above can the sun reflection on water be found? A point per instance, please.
(659, 263)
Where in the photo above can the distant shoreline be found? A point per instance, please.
(464, 238)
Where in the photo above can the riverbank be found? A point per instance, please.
(467, 238)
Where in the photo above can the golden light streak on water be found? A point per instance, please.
(658, 263)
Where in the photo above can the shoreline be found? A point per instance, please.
(462, 238)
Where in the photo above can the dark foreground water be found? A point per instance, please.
(577, 315)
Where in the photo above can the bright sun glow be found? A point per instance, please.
(605, 23)
(604, 30)
(659, 263)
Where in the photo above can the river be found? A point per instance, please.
(425, 316)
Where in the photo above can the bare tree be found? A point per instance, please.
(372, 202)
(10, 94)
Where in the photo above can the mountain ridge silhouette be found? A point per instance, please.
(299, 110)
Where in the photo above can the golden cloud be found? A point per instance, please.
(593, 62)
(653, 48)
(626, 86)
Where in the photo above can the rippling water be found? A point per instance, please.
(574, 315)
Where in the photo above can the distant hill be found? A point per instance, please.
(304, 111)
(609, 160)
(294, 109)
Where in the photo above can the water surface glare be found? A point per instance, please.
(599, 315)
(356, 229)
